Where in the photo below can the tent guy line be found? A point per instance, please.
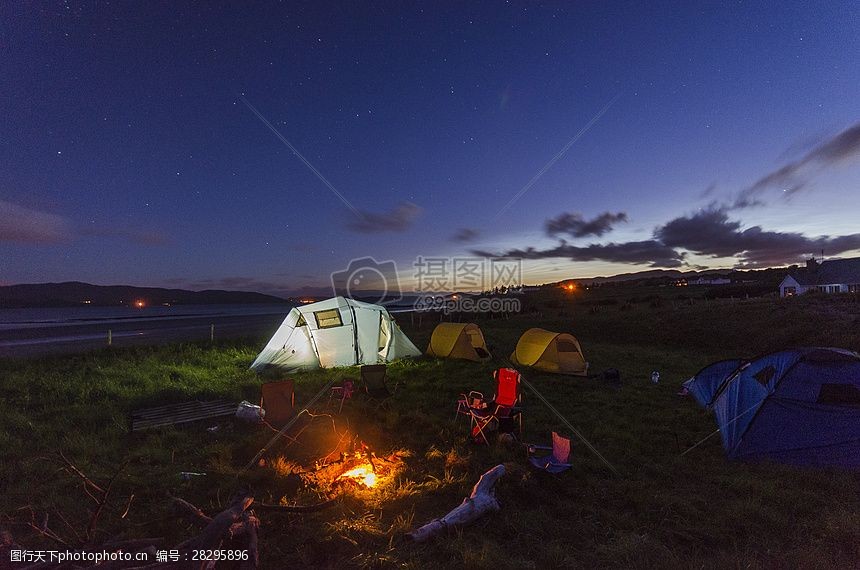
(569, 425)
(557, 157)
(301, 157)
(305, 409)
(716, 431)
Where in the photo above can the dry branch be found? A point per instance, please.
(251, 523)
(101, 503)
(218, 527)
(481, 501)
(186, 507)
(87, 481)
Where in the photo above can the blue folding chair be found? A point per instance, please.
(554, 462)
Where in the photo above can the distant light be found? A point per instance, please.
(139, 304)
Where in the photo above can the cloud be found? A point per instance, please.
(711, 233)
(23, 225)
(650, 252)
(575, 225)
(20, 224)
(793, 176)
(708, 233)
(399, 219)
(465, 235)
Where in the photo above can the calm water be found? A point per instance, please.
(28, 332)
(11, 319)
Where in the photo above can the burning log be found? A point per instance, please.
(481, 501)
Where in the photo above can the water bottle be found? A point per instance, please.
(655, 377)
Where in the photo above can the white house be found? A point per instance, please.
(832, 276)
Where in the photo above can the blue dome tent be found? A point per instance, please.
(800, 407)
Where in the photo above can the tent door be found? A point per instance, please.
(335, 343)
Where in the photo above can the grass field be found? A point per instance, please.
(663, 510)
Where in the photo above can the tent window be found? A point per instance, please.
(328, 319)
(839, 395)
(565, 346)
(301, 322)
(765, 375)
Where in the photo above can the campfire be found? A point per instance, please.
(363, 474)
(356, 469)
(363, 469)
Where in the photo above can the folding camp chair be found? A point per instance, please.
(373, 378)
(279, 401)
(554, 462)
(473, 399)
(343, 392)
(503, 412)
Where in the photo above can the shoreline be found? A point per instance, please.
(48, 340)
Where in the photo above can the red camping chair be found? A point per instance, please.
(503, 412)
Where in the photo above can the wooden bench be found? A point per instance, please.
(186, 412)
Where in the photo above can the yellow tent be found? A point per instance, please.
(548, 351)
(458, 340)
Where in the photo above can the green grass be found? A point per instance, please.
(662, 511)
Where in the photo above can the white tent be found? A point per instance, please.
(335, 332)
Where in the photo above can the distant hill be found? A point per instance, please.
(74, 293)
(655, 274)
(769, 276)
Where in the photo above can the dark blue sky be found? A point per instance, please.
(127, 154)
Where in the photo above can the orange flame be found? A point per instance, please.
(362, 474)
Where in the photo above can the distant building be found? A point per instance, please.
(832, 276)
(711, 281)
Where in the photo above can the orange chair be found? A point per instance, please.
(279, 401)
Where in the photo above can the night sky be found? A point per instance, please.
(137, 143)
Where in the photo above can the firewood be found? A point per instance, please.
(251, 523)
(219, 526)
(195, 513)
(480, 502)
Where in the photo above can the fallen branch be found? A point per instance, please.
(251, 523)
(101, 503)
(87, 481)
(481, 501)
(197, 514)
(215, 531)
